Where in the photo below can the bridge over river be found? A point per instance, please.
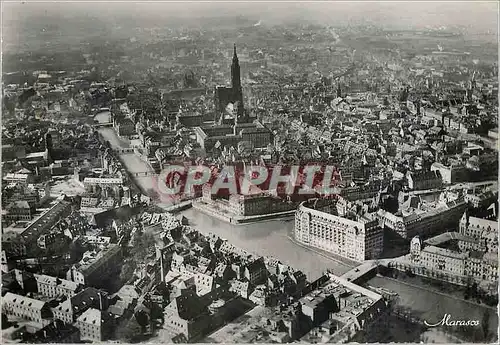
(145, 173)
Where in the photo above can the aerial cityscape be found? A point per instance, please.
(249, 173)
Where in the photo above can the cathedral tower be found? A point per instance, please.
(235, 73)
(233, 94)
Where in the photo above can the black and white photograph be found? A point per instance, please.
(249, 172)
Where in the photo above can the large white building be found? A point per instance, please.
(54, 287)
(359, 238)
(95, 325)
(484, 231)
(476, 257)
(423, 219)
(27, 308)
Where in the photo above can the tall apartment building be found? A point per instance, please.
(359, 238)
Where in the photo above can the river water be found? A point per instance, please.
(103, 117)
(131, 161)
(269, 238)
(430, 306)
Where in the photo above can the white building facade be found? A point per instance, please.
(357, 240)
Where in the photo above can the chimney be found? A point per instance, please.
(100, 300)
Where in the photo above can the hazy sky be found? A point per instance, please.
(480, 16)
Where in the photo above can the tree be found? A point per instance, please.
(485, 323)
(127, 270)
(143, 245)
(477, 335)
(128, 332)
(142, 319)
(5, 321)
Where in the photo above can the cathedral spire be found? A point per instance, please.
(235, 72)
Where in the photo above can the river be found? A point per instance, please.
(267, 238)
(431, 306)
(131, 161)
(103, 117)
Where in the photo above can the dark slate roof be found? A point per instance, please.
(190, 305)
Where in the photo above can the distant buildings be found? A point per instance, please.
(218, 136)
(381, 146)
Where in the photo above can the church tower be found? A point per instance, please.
(235, 73)
(236, 84)
(233, 94)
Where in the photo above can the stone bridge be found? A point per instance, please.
(127, 150)
(144, 173)
(104, 124)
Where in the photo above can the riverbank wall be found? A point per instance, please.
(240, 220)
